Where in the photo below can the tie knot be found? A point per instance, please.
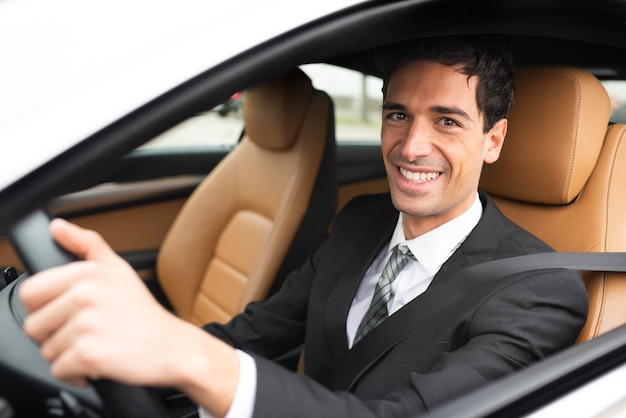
(405, 254)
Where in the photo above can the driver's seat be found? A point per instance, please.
(562, 176)
(229, 241)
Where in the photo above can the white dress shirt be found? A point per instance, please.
(431, 250)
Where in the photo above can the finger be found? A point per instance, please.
(42, 287)
(44, 322)
(74, 329)
(69, 368)
(84, 243)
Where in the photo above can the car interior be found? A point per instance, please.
(557, 137)
(209, 234)
(557, 141)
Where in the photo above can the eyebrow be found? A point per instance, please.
(394, 106)
(444, 110)
(450, 111)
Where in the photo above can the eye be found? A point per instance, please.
(396, 116)
(449, 123)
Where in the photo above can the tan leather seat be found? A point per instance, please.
(562, 175)
(229, 240)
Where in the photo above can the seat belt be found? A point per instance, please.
(614, 262)
(356, 361)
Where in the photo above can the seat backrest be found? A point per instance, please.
(562, 176)
(229, 240)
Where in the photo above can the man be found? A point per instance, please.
(444, 116)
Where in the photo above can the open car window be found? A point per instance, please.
(357, 98)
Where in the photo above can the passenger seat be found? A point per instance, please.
(277, 187)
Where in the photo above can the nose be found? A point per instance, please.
(417, 142)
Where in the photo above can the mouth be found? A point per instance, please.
(419, 177)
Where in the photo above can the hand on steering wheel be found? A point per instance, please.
(38, 251)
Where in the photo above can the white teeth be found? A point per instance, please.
(418, 177)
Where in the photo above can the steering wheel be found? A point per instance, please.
(38, 251)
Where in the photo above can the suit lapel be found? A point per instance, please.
(344, 289)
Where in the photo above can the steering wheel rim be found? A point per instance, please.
(38, 251)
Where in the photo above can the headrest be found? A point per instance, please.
(556, 129)
(273, 111)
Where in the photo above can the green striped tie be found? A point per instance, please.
(377, 311)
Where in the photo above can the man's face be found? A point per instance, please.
(433, 143)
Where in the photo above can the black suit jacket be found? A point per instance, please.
(454, 347)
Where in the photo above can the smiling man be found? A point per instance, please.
(388, 324)
(434, 143)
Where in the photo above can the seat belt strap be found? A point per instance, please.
(614, 262)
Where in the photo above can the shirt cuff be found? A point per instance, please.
(243, 402)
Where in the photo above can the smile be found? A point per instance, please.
(420, 177)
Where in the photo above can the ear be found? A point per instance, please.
(495, 140)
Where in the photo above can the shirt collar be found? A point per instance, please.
(433, 248)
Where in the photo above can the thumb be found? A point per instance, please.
(85, 244)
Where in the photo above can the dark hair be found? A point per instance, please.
(485, 56)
